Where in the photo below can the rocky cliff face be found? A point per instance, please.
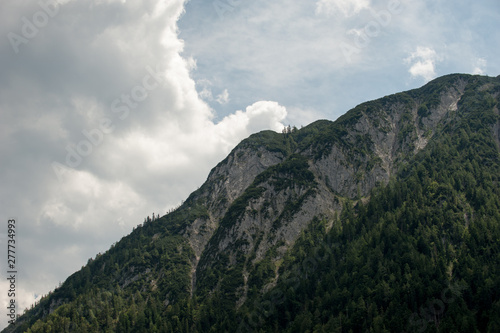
(231, 236)
(271, 186)
(226, 183)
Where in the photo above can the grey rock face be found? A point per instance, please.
(374, 141)
(225, 183)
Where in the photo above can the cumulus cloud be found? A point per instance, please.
(422, 63)
(263, 114)
(102, 125)
(302, 116)
(24, 298)
(205, 90)
(345, 7)
(479, 66)
(223, 97)
(113, 82)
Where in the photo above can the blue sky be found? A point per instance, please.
(111, 110)
(324, 57)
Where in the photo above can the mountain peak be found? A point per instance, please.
(346, 184)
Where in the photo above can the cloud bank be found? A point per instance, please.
(345, 7)
(101, 126)
(111, 110)
(423, 63)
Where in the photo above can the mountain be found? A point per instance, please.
(386, 220)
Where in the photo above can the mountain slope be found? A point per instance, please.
(346, 225)
(422, 255)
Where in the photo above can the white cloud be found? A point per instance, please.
(346, 7)
(119, 61)
(262, 114)
(302, 117)
(206, 92)
(479, 65)
(422, 63)
(92, 53)
(265, 114)
(23, 298)
(223, 98)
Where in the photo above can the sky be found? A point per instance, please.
(111, 110)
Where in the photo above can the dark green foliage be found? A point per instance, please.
(294, 171)
(149, 261)
(292, 207)
(239, 205)
(272, 141)
(420, 254)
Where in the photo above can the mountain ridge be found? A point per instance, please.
(229, 240)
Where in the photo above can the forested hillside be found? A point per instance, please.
(386, 220)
